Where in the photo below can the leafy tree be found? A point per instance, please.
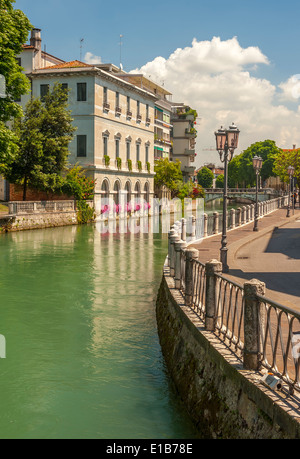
(205, 177)
(268, 152)
(43, 134)
(14, 28)
(167, 173)
(220, 181)
(234, 178)
(284, 160)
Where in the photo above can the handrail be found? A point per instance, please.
(261, 332)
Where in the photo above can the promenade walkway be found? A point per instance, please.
(271, 255)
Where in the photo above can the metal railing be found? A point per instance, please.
(263, 334)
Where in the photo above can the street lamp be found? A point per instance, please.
(257, 165)
(226, 143)
(290, 171)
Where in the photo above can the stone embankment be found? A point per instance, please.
(223, 397)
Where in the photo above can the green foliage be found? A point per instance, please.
(220, 181)
(119, 163)
(139, 165)
(240, 168)
(43, 136)
(106, 160)
(284, 160)
(205, 177)
(148, 167)
(76, 184)
(85, 213)
(14, 28)
(129, 163)
(167, 173)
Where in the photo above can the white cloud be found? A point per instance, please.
(91, 58)
(217, 78)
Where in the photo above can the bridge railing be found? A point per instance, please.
(244, 190)
(263, 334)
(241, 215)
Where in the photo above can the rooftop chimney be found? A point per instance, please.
(35, 39)
(294, 147)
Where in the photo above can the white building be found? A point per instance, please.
(114, 140)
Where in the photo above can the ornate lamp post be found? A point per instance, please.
(290, 171)
(226, 143)
(257, 165)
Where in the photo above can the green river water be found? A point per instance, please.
(83, 358)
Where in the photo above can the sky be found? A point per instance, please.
(232, 62)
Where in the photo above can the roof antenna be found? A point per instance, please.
(121, 66)
(81, 44)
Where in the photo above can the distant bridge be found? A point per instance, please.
(247, 194)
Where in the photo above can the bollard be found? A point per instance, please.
(178, 246)
(190, 255)
(253, 317)
(243, 215)
(211, 268)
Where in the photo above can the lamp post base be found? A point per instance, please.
(223, 257)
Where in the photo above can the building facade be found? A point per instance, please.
(114, 139)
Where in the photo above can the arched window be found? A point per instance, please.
(117, 188)
(147, 192)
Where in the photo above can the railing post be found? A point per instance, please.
(239, 216)
(190, 255)
(193, 235)
(183, 229)
(216, 223)
(171, 233)
(178, 246)
(205, 228)
(173, 239)
(232, 218)
(252, 319)
(211, 268)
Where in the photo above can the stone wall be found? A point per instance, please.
(222, 399)
(35, 221)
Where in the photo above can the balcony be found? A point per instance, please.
(128, 114)
(138, 118)
(118, 111)
(190, 133)
(148, 121)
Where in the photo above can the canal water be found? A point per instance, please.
(83, 358)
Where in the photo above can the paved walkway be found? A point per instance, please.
(271, 255)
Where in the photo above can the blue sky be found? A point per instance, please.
(253, 87)
(157, 28)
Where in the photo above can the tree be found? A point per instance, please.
(205, 177)
(284, 160)
(268, 152)
(234, 178)
(43, 134)
(220, 181)
(167, 173)
(14, 29)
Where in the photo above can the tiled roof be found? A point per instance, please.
(67, 65)
(28, 47)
